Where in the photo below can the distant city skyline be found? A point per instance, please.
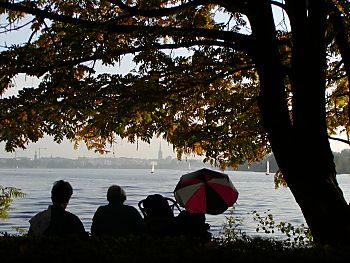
(48, 148)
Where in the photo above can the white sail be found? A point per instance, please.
(267, 167)
(152, 169)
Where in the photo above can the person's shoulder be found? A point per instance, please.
(74, 220)
(131, 209)
(72, 216)
(102, 208)
(43, 213)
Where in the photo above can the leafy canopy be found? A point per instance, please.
(194, 82)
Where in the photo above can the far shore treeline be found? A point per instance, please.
(342, 159)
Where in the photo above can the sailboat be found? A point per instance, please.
(152, 169)
(267, 167)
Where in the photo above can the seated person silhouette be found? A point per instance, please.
(56, 221)
(193, 224)
(159, 216)
(117, 219)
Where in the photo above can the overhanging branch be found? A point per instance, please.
(41, 69)
(339, 139)
(242, 41)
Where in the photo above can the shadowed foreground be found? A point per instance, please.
(179, 249)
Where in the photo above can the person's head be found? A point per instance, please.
(116, 194)
(61, 192)
(156, 205)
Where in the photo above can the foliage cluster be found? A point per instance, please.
(295, 236)
(6, 197)
(202, 100)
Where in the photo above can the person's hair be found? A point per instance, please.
(61, 192)
(116, 194)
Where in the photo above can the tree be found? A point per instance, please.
(215, 77)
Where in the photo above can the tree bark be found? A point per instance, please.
(314, 185)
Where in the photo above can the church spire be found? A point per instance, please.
(160, 153)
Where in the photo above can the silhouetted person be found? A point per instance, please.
(193, 224)
(56, 221)
(161, 221)
(159, 216)
(117, 219)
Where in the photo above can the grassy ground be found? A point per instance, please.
(171, 249)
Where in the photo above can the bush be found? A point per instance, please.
(160, 249)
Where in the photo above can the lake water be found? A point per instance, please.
(256, 192)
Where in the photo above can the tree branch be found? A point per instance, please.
(243, 41)
(157, 12)
(41, 69)
(339, 139)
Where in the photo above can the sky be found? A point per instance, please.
(47, 147)
(338, 146)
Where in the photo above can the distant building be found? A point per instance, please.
(160, 152)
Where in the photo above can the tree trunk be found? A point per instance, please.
(314, 185)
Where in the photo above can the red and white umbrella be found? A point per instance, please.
(205, 191)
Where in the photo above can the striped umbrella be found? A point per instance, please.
(205, 191)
